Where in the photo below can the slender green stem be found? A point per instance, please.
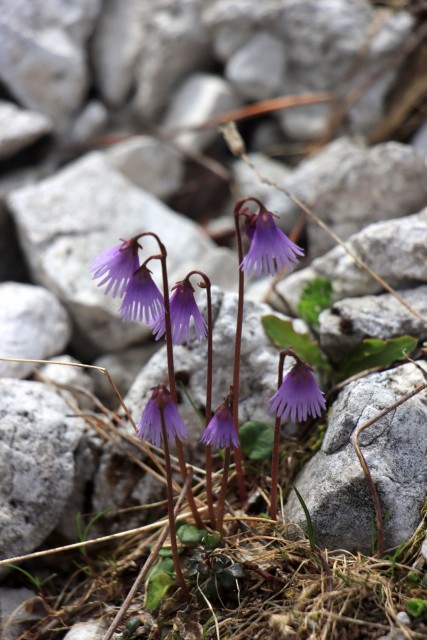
(221, 499)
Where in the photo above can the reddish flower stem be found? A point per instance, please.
(171, 370)
(171, 516)
(206, 284)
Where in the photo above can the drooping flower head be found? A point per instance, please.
(183, 307)
(270, 249)
(299, 395)
(220, 431)
(142, 299)
(116, 266)
(150, 425)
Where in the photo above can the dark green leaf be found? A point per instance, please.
(256, 440)
(189, 534)
(373, 352)
(416, 607)
(282, 333)
(316, 296)
(211, 541)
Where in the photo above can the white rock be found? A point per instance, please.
(419, 140)
(70, 376)
(349, 186)
(86, 631)
(351, 320)
(90, 122)
(403, 618)
(64, 222)
(33, 324)
(38, 438)
(149, 163)
(116, 44)
(332, 482)
(199, 98)
(19, 128)
(175, 44)
(18, 606)
(424, 549)
(395, 249)
(257, 69)
(41, 48)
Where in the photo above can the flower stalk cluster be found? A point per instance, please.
(177, 319)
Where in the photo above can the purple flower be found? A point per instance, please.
(298, 395)
(116, 266)
(270, 248)
(183, 307)
(220, 431)
(142, 300)
(150, 425)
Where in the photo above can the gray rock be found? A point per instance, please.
(199, 98)
(257, 69)
(64, 222)
(19, 128)
(41, 48)
(90, 122)
(18, 606)
(419, 140)
(70, 376)
(175, 44)
(87, 631)
(351, 320)
(259, 363)
(37, 443)
(33, 324)
(123, 367)
(149, 163)
(116, 44)
(332, 482)
(424, 549)
(396, 250)
(220, 265)
(349, 186)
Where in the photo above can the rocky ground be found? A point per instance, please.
(109, 114)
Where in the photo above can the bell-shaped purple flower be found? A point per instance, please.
(183, 307)
(270, 248)
(298, 396)
(150, 425)
(142, 300)
(116, 266)
(220, 431)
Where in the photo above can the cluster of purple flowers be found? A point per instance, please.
(270, 249)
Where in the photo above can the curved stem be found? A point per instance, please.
(171, 368)
(209, 378)
(172, 528)
(237, 352)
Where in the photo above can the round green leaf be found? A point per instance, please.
(256, 440)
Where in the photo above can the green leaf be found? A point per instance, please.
(374, 352)
(190, 534)
(165, 565)
(316, 296)
(157, 589)
(282, 333)
(416, 607)
(211, 541)
(311, 529)
(256, 440)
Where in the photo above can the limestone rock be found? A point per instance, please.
(72, 377)
(199, 98)
(395, 249)
(33, 324)
(332, 482)
(150, 164)
(64, 222)
(351, 320)
(37, 443)
(19, 128)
